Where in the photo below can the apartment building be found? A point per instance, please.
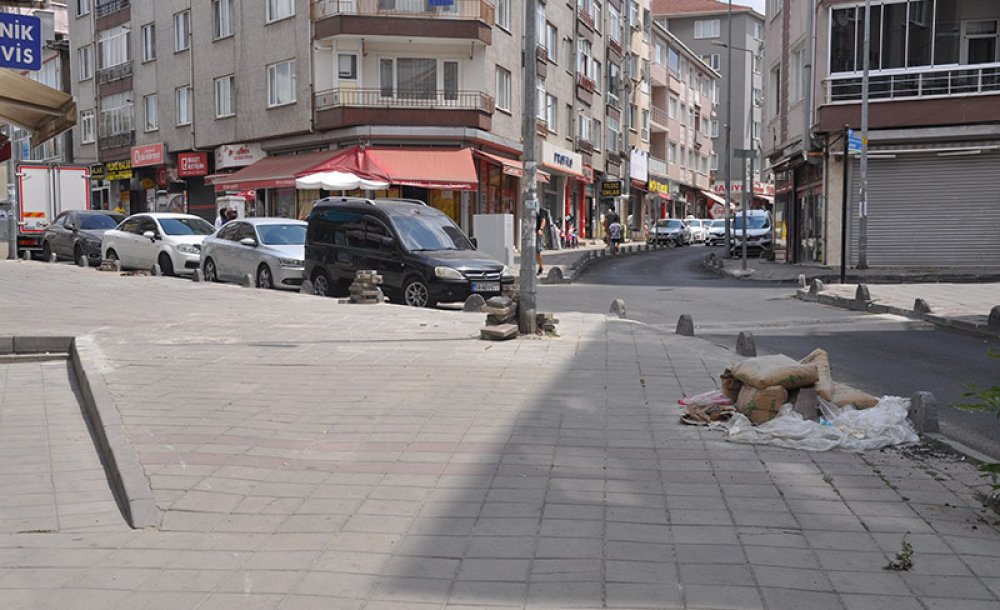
(703, 26)
(681, 151)
(933, 142)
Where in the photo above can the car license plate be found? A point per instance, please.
(485, 286)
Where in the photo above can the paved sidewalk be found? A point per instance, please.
(307, 454)
(766, 271)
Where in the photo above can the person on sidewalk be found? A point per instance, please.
(541, 225)
(614, 236)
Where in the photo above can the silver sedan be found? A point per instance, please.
(270, 250)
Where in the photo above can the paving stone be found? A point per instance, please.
(723, 596)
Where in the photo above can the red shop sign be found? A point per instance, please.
(192, 164)
(149, 154)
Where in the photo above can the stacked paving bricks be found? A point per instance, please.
(365, 288)
(501, 319)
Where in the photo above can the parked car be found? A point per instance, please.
(271, 250)
(699, 233)
(76, 235)
(716, 232)
(424, 258)
(758, 233)
(173, 241)
(670, 232)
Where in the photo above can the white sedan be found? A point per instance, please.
(173, 241)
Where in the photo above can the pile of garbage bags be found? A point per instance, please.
(777, 401)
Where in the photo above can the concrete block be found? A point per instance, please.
(802, 280)
(83, 261)
(198, 276)
(53, 258)
(745, 344)
(474, 303)
(921, 306)
(862, 298)
(155, 270)
(502, 332)
(526, 321)
(924, 413)
(618, 308)
(685, 326)
(247, 281)
(25, 255)
(994, 319)
(306, 287)
(816, 286)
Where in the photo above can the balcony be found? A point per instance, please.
(118, 140)
(107, 75)
(657, 166)
(658, 119)
(463, 19)
(348, 107)
(110, 6)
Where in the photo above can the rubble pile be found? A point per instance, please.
(501, 319)
(365, 288)
(546, 323)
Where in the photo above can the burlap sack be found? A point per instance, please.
(767, 371)
(824, 384)
(761, 405)
(730, 385)
(844, 395)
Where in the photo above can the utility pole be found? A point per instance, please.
(529, 199)
(729, 127)
(626, 125)
(863, 209)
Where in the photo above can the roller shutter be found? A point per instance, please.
(927, 210)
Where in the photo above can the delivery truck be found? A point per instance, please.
(43, 192)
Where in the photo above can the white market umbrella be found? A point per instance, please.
(338, 181)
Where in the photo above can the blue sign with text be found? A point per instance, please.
(853, 142)
(20, 42)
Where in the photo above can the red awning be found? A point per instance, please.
(271, 172)
(511, 167)
(445, 170)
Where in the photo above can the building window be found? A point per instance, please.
(450, 77)
(614, 135)
(116, 115)
(347, 66)
(503, 89)
(113, 47)
(672, 107)
(183, 97)
(709, 28)
(87, 134)
(758, 97)
(775, 91)
(674, 63)
(224, 97)
(222, 18)
(148, 42)
(280, 9)
(755, 130)
(713, 163)
(713, 61)
(614, 80)
(503, 14)
(83, 8)
(659, 52)
(182, 31)
(672, 154)
(551, 112)
(614, 24)
(584, 58)
(85, 59)
(795, 69)
(645, 125)
(596, 132)
(758, 30)
(281, 83)
(150, 109)
(551, 42)
(715, 128)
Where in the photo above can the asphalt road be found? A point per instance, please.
(881, 354)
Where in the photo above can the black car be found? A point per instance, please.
(77, 233)
(424, 258)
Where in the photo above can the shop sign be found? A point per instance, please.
(759, 188)
(118, 170)
(148, 154)
(659, 188)
(562, 160)
(97, 172)
(20, 42)
(192, 164)
(611, 188)
(638, 166)
(147, 184)
(237, 155)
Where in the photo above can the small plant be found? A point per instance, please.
(985, 400)
(903, 561)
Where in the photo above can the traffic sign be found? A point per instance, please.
(20, 42)
(853, 142)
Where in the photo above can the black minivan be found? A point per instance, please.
(424, 258)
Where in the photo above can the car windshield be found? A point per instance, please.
(423, 230)
(90, 222)
(186, 226)
(755, 222)
(282, 235)
(718, 224)
(670, 223)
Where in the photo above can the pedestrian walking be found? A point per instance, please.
(541, 225)
(614, 236)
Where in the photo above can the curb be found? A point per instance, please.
(121, 464)
(853, 278)
(567, 274)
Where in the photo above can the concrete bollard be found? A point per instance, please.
(248, 282)
(685, 326)
(745, 344)
(26, 256)
(307, 287)
(118, 266)
(155, 270)
(924, 413)
(474, 303)
(921, 306)
(994, 319)
(618, 308)
(82, 261)
(862, 298)
(53, 258)
(198, 276)
(802, 280)
(816, 286)
(555, 276)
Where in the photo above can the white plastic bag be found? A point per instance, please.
(840, 428)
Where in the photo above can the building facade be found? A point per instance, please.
(933, 140)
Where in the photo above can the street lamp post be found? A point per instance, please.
(529, 203)
(863, 211)
(729, 128)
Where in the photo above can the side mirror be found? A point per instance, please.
(388, 243)
(475, 243)
(150, 235)
(248, 241)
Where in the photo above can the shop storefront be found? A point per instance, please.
(564, 193)
(635, 211)
(118, 178)
(659, 199)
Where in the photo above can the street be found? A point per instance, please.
(881, 354)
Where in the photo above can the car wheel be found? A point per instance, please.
(321, 284)
(211, 273)
(79, 257)
(416, 293)
(46, 252)
(111, 255)
(264, 278)
(166, 265)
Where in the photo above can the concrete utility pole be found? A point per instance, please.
(626, 125)
(863, 208)
(529, 200)
(729, 127)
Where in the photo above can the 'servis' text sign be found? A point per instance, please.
(20, 42)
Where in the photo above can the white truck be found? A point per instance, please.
(43, 192)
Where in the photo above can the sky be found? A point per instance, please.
(758, 5)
